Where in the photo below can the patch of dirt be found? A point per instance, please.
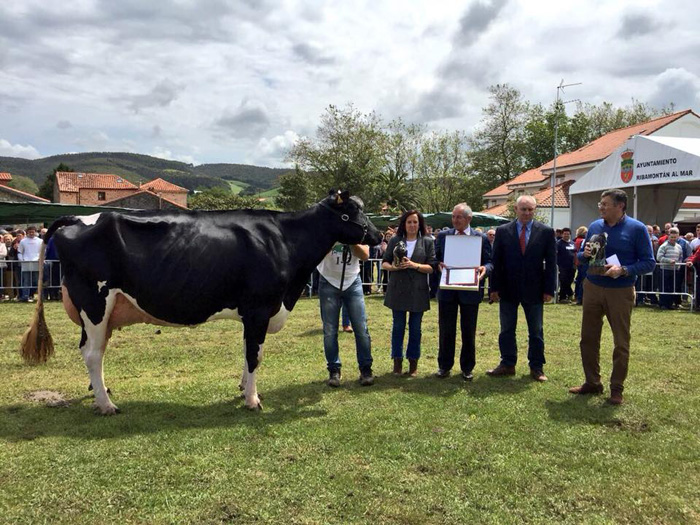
(629, 426)
(50, 398)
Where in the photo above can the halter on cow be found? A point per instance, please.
(186, 268)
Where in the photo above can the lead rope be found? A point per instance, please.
(346, 259)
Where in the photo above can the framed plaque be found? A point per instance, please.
(462, 260)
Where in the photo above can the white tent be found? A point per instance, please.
(657, 173)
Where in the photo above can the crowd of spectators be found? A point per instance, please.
(675, 254)
(19, 267)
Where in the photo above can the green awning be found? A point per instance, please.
(442, 219)
(36, 213)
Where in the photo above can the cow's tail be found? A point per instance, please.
(66, 220)
(37, 344)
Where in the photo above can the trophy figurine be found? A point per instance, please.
(596, 264)
(400, 251)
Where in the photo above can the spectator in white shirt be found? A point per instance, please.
(28, 253)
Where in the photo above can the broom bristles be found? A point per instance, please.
(37, 343)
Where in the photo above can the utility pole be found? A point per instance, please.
(560, 88)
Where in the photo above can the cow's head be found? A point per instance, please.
(354, 226)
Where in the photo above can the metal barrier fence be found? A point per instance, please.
(668, 286)
(19, 279)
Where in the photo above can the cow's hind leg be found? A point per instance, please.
(92, 345)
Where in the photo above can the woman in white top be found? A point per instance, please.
(408, 289)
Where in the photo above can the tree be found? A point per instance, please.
(295, 191)
(344, 154)
(444, 175)
(220, 199)
(396, 184)
(539, 134)
(46, 189)
(24, 184)
(498, 146)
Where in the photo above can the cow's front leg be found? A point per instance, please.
(254, 329)
(92, 345)
(250, 365)
(244, 373)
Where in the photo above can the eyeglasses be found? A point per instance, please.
(603, 205)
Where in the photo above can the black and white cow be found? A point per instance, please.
(186, 268)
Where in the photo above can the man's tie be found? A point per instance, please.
(523, 243)
(461, 232)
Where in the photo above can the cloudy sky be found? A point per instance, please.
(239, 80)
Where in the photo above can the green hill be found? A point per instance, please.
(141, 168)
(256, 176)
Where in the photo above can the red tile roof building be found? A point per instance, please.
(167, 190)
(103, 188)
(573, 165)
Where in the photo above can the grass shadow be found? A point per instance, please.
(20, 422)
(591, 410)
(480, 387)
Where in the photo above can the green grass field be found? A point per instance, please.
(237, 186)
(404, 451)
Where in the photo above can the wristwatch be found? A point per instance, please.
(625, 273)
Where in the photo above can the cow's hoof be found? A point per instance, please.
(110, 410)
(255, 406)
(241, 386)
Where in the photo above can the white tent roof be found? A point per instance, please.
(654, 160)
(657, 173)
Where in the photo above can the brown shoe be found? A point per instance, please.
(615, 398)
(586, 388)
(501, 370)
(412, 368)
(398, 366)
(538, 375)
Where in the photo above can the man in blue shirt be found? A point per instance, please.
(612, 293)
(565, 262)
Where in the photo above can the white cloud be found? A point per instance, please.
(228, 81)
(163, 153)
(271, 152)
(17, 150)
(677, 86)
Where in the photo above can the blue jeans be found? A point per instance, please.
(330, 300)
(29, 284)
(398, 330)
(506, 340)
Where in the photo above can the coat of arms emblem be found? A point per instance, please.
(627, 166)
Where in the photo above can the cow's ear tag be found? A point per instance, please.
(338, 199)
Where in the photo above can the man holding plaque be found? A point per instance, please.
(461, 289)
(609, 290)
(524, 273)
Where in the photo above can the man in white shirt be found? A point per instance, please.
(339, 285)
(695, 243)
(28, 253)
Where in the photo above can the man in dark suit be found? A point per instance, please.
(467, 302)
(524, 273)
